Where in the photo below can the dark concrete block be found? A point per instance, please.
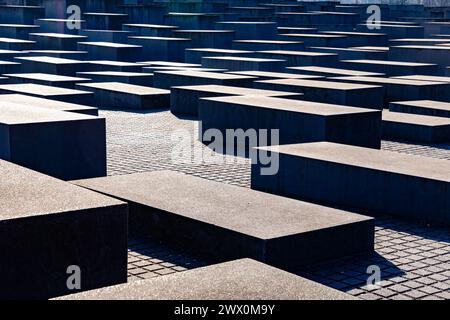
(52, 65)
(391, 68)
(65, 145)
(195, 55)
(48, 225)
(185, 100)
(48, 92)
(193, 213)
(415, 128)
(56, 41)
(297, 121)
(111, 51)
(244, 63)
(136, 78)
(242, 279)
(301, 58)
(46, 79)
(162, 48)
(47, 104)
(403, 89)
(366, 180)
(116, 95)
(346, 94)
(167, 79)
(331, 72)
(250, 30)
(424, 107)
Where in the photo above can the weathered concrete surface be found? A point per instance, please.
(366, 180)
(49, 92)
(167, 79)
(118, 95)
(425, 107)
(243, 279)
(65, 145)
(297, 121)
(196, 213)
(346, 94)
(21, 99)
(185, 100)
(415, 128)
(48, 225)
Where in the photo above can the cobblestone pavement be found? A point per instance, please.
(414, 259)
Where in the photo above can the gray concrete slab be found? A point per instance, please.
(185, 100)
(403, 89)
(112, 51)
(267, 75)
(116, 95)
(346, 94)
(415, 127)
(363, 179)
(46, 79)
(425, 107)
(243, 279)
(196, 213)
(47, 104)
(49, 92)
(194, 55)
(392, 68)
(65, 145)
(330, 72)
(167, 79)
(301, 58)
(55, 225)
(319, 122)
(136, 78)
(244, 63)
(52, 65)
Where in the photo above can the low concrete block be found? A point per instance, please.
(21, 99)
(366, 180)
(118, 95)
(167, 79)
(243, 279)
(346, 94)
(391, 68)
(52, 65)
(185, 100)
(111, 51)
(192, 212)
(56, 225)
(262, 45)
(415, 128)
(403, 89)
(244, 64)
(162, 48)
(195, 55)
(48, 92)
(297, 121)
(331, 72)
(46, 79)
(301, 58)
(136, 78)
(250, 30)
(424, 107)
(65, 145)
